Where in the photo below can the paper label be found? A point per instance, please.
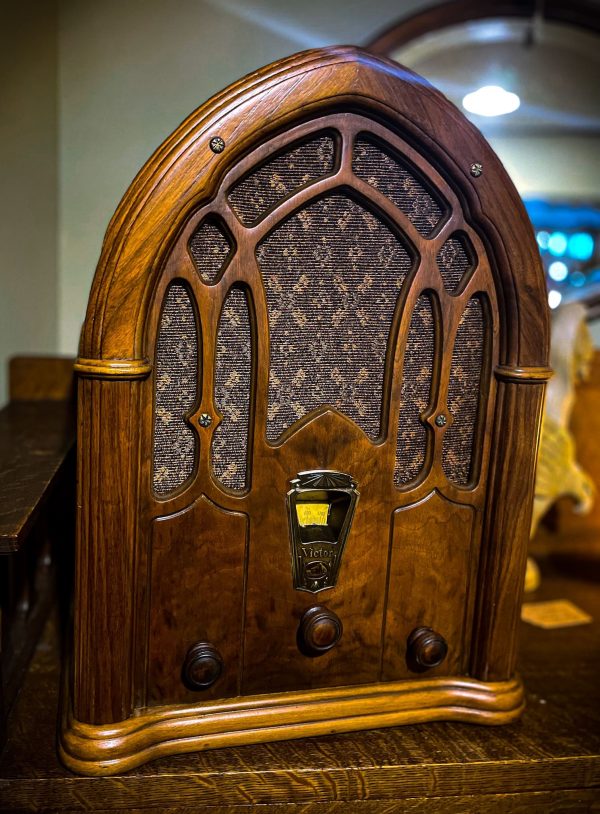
(553, 614)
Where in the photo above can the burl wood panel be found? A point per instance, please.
(433, 561)
(274, 607)
(197, 594)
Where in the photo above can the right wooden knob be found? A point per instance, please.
(202, 667)
(426, 647)
(320, 630)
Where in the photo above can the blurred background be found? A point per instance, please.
(88, 90)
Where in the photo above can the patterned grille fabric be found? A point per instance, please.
(258, 192)
(232, 391)
(453, 261)
(176, 387)
(416, 392)
(210, 249)
(332, 274)
(396, 180)
(463, 394)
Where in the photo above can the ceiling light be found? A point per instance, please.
(491, 100)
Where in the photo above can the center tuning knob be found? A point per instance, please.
(320, 629)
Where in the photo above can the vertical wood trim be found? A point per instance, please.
(506, 529)
(107, 510)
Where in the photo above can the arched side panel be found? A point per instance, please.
(417, 380)
(176, 386)
(231, 440)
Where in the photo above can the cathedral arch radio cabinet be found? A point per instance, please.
(311, 377)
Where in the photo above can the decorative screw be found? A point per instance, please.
(441, 420)
(476, 169)
(217, 145)
(205, 420)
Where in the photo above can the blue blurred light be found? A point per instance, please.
(542, 239)
(558, 271)
(557, 244)
(581, 246)
(577, 279)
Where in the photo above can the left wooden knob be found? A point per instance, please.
(202, 667)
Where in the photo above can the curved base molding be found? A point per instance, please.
(151, 733)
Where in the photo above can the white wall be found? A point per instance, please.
(28, 182)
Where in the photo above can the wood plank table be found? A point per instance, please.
(549, 761)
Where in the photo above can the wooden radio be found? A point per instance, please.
(311, 377)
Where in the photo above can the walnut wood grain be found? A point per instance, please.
(157, 573)
(549, 761)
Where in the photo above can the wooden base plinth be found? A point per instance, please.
(112, 748)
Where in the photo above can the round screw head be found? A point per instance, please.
(217, 145)
(205, 420)
(441, 420)
(476, 169)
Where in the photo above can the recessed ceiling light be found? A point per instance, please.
(491, 100)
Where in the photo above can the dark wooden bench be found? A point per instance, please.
(37, 476)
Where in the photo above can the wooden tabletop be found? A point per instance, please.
(36, 437)
(548, 761)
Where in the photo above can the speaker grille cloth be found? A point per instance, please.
(258, 192)
(464, 394)
(233, 374)
(176, 388)
(397, 181)
(453, 262)
(332, 274)
(415, 396)
(210, 250)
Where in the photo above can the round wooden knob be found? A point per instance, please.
(320, 630)
(426, 648)
(203, 666)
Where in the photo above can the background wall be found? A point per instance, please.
(28, 182)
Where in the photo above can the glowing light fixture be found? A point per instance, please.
(491, 100)
(558, 271)
(581, 245)
(557, 244)
(554, 298)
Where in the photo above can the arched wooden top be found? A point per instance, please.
(184, 173)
